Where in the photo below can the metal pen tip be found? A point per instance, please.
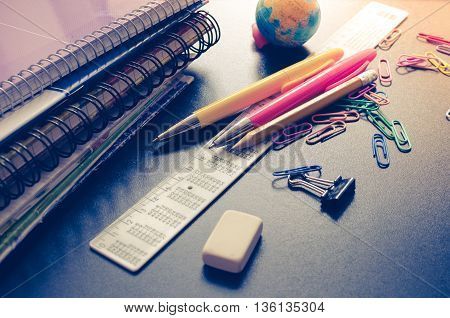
(156, 139)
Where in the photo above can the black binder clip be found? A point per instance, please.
(332, 194)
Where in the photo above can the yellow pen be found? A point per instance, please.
(278, 82)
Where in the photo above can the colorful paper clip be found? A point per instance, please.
(297, 171)
(327, 132)
(378, 142)
(358, 104)
(368, 93)
(443, 48)
(433, 39)
(415, 61)
(384, 72)
(350, 116)
(379, 98)
(438, 63)
(381, 122)
(393, 130)
(291, 134)
(362, 91)
(401, 137)
(390, 39)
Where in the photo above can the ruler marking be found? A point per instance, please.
(151, 223)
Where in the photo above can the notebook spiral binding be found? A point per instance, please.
(16, 178)
(125, 23)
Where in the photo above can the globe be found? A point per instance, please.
(288, 23)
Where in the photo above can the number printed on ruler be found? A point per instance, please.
(366, 29)
(151, 223)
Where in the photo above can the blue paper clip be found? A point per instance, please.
(296, 171)
(378, 141)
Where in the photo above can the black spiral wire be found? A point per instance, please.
(78, 51)
(21, 167)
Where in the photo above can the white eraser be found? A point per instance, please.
(232, 241)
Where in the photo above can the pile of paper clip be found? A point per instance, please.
(336, 123)
(368, 101)
(428, 61)
(442, 45)
(365, 101)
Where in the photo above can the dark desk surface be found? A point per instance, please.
(391, 241)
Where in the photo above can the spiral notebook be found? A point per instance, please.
(100, 103)
(54, 78)
(74, 55)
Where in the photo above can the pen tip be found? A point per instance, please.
(156, 139)
(212, 145)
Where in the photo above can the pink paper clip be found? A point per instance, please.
(369, 93)
(291, 134)
(433, 39)
(384, 72)
(443, 48)
(361, 92)
(326, 132)
(415, 61)
(390, 39)
(377, 98)
(350, 116)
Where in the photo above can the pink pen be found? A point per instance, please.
(319, 84)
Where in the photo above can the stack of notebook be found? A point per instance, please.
(64, 115)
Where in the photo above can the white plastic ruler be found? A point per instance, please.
(136, 236)
(367, 28)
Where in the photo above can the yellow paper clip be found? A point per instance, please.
(438, 63)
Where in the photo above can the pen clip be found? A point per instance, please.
(356, 72)
(291, 84)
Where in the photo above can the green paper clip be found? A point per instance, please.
(382, 123)
(363, 101)
(360, 105)
(401, 137)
